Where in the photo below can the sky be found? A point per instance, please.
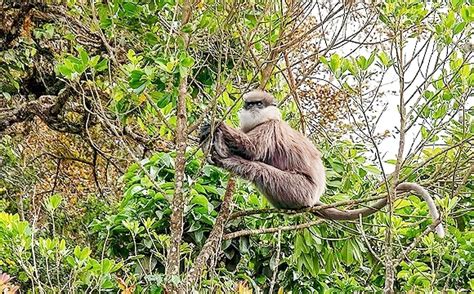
(415, 75)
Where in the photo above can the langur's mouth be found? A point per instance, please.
(251, 111)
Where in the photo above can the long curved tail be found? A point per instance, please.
(336, 214)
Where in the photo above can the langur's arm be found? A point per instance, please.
(238, 142)
(253, 171)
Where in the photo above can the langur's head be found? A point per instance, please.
(259, 106)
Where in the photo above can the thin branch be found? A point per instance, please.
(272, 230)
(417, 240)
(277, 261)
(212, 244)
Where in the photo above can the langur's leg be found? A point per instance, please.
(283, 189)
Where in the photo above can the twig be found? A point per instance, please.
(417, 240)
(277, 261)
(272, 230)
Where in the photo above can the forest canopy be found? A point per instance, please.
(104, 186)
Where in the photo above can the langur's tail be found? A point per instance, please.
(336, 214)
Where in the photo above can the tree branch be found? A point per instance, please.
(212, 244)
(271, 230)
(178, 203)
(47, 108)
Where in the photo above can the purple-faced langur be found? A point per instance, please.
(282, 163)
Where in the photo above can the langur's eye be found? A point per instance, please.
(259, 103)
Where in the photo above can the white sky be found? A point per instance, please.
(390, 120)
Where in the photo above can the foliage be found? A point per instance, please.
(49, 263)
(90, 143)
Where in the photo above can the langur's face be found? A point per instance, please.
(255, 112)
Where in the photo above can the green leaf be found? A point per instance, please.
(323, 60)
(102, 65)
(150, 38)
(459, 27)
(346, 253)
(131, 54)
(65, 70)
(54, 201)
(424, 132)
(187, 28)
(211, 189)
(401, 203)
(7, 96)
(70, 260)
(308, 237)
(371, 59)
(335, 183)
(84, 56)
(107, 284)
(200, 200)
(195, 226)
(93, 61)
(456, 3)
(312, 264)
(251, 20)
(82, 254)
(362, 62)
(440, 112)
(334, 62)
(170, 66)
(450, 19)
(130, 8)
(244, 245)
(199, 188)
(299, 245)
(403, 274)
(187, 62)
(384, 59)
(372, 169)
(467, 13)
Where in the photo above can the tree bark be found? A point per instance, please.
(178, 203)
(177, 206)
(389, 262)
(212, 244)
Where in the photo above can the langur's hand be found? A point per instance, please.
(215, 159)
(219, 151)
(220, 147)
(204, 132)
